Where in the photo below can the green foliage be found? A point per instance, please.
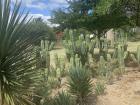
(99, 88)
(42, 94)
(81, 46)
(44, 55)
(63, 99)
(39, 26)
(133, 57)
(138, 54)
(60, 66)
(104, 6)
(102, 67)
(136, 58)
(122, 55)
(105, 68)
(53, 82)
(105, 14)
(47, 45)
(18, 73)
(80, 84)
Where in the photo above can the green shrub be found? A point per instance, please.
(100, 88)
(18, 73)
(63, 99)
(53, 82)
(80, 84)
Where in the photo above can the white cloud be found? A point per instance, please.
(43, 4)
(39, 5)
(24, 1)
(54, 4)
(58, 1)
(45, 18)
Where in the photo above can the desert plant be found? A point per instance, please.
(102, 70)
(42, 94)
(53, 82)
(138, 54)
(80, 84)
(133, 58)
(99, 88)
(18, 73)
(63, 98)
(81, 46)
(121, 56)
(56, 60)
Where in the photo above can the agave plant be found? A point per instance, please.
(63, 99)
(80, 84)
(18, 74)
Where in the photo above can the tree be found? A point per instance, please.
(18, 73)
(97, 16)
(39, 26)
(132, 9)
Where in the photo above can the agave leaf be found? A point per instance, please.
(18, 73)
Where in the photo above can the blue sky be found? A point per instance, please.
(42, 8)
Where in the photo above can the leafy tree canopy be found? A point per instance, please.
(99, 15)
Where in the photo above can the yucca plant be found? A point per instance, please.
(63, 98)
(18, 74)
(99, 88)
(80, 84)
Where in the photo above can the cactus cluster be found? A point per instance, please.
(82, 47)
(136, 58)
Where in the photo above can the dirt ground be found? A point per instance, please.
(123, 92)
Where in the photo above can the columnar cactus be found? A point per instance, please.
(136, 58)
(45, 55)
(92, 46)
(51, 46)
(138, 54)
(121, 56)
(102, 66)
(133, 58)
(109, 57)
